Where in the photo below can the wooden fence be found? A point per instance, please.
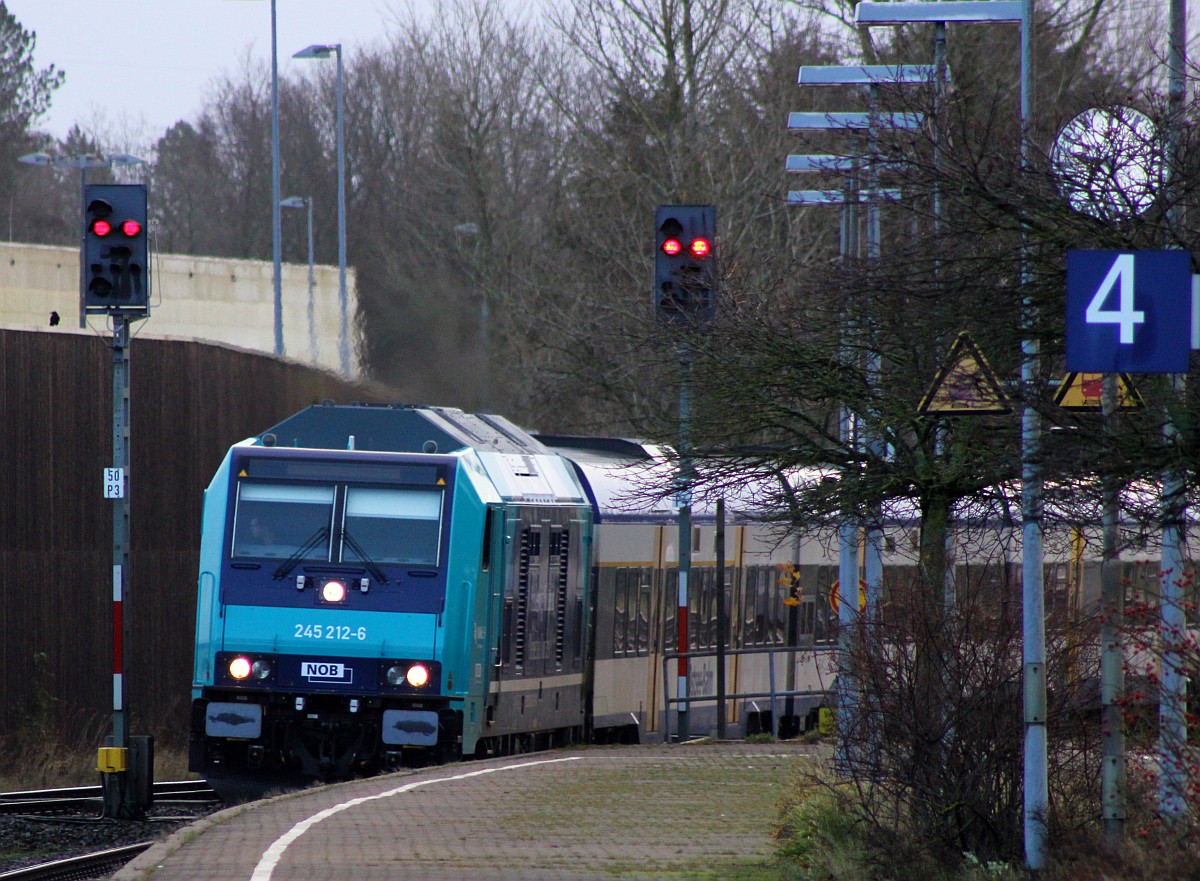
(190, 402)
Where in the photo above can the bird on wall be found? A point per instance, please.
(54, 319)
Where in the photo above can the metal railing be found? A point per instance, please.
(772, 693)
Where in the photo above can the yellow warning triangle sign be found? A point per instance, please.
(966, 384)
(1083, 391)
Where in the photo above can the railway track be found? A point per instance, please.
(43, 801)
(78, 868)
(67, 822)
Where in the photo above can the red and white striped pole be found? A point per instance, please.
(113, 762)
(685, 534)
(118, 617)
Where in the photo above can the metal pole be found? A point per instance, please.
(82, 238)
(722, 620)
(343, 301)
(873, 532)
(1033, 601)
(115, 784)
(685, 533)
(276, 226)
(1172, 723)
(312, 324)
(847, 686)
(1112, 672)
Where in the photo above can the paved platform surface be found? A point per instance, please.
(699, 810)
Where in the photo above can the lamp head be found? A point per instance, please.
(319, 50)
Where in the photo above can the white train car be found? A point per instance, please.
(779, 664)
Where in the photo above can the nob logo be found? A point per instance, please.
(324, 671)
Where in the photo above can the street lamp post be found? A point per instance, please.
(276, 226)
(324, 51)
(850, 747)
(1037, 799)
(307, 202)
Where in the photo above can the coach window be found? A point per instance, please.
(826, 628)
(670, 609)
(621, 613)
(808, 620)
(644, 576)
(779, 592)
(763, 598)
(749, 579)
(1141, 581)
(282, 520)
(392, 526)
(697, 620)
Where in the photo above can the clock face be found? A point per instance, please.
(1109, 163)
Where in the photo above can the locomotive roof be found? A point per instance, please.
(518, 467)
(401, 428)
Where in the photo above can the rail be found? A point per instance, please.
(92, 865)
(75, 797)
(772, 693)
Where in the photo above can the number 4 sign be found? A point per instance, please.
(1129, 311)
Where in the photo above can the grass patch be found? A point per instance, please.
(33, 757)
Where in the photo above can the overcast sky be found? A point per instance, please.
(144, 64)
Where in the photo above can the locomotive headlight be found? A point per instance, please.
(239, 668)
(333, 591)
(260, 669)
(409, 675)
(417, 675)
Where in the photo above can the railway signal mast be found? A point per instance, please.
(115, 281)
(685, 285)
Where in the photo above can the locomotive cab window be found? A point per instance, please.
(282, 520)
(392, 526)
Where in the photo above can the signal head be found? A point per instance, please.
(685, 278)
(115, 258)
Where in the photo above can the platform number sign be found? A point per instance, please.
(1129, 311)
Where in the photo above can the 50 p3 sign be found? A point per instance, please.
(1129, 311)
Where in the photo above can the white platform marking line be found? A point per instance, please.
(272, 855)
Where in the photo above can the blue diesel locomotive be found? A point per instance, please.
(386, 585)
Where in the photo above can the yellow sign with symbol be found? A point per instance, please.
(1084, 391)
(966, 385)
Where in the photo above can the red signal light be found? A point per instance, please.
(101, 227)
(131, 228)
(700, 247)
(671, 247)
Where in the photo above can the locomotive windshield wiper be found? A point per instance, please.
(290, 563)
(375, 571)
